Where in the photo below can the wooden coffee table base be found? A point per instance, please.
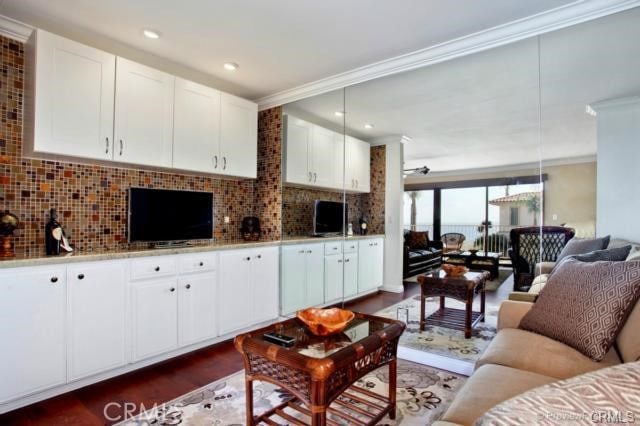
(454, 318)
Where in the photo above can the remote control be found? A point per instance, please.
(279, 339)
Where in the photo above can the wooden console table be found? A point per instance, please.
(488, 261)
(320, 372)
(462, 288)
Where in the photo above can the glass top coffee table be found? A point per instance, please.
(320, 372)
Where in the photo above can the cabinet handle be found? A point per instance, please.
(259, 256)
(339, 260)
(172, 289)
(346, 260)
(310, 176)
(301, 251)
(356, 183)
(54, 279)
(224, 163)
(247, 258)
(309, 251)
(315, 177)
(215, 161)
(81, 276)
(335, 248)
(121, 146)
(106, 151)
(188, 286)
(157, 268)
(201, 264)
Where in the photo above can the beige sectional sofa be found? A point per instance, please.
(518, 360)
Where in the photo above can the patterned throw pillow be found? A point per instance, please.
(418, 240)
(617, 254)
(584, 305)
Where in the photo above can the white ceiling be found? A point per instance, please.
(279, 44)
(482, 110)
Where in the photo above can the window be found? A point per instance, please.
(514, 214)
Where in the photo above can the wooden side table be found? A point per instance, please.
(462, 288)
(320, 372)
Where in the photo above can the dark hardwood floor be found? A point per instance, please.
(167, 380)
(157, 383)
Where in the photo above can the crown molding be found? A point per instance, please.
(614, 103)
(15, 29)
(551, 20)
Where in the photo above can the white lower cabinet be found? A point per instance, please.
(96, 318)
(370, 264)
(333, 278)
(155, 317)
(248, 290)
(302, 278)
(33, 306)
(350, 274)
(196, 313)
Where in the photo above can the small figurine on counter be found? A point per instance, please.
(8, 223)
(363, 225)
(54, 237)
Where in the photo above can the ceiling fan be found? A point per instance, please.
(418, 171)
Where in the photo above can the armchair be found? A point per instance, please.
(452, 241)
(525, 250)
(420, 259)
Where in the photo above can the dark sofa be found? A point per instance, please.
(420, 259)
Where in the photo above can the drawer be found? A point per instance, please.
(333, 248)
(350, 247)
(198, 262)
(152, 267)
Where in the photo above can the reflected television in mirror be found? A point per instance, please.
(329, 218)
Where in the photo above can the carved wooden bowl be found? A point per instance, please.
(325, 322)
(455, 270)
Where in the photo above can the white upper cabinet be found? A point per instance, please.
(143, 128)
(238, 137)
(318, 157)
(71, 89)
(357, 167)
(196, 128)
(297, 141)
(322, 162)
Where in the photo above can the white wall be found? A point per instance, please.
(618, 175)
(394, 190)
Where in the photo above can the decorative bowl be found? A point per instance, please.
(325, 322)
(455, 270)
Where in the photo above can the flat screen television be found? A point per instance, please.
(329, 217)
(163, 215)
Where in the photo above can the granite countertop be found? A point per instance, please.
(39, 259)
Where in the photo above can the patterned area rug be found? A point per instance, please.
(423, 394)
(440, 340)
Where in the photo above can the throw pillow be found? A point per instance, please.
(584, 305)
(617, 254)
(580, 246)
(634, 253)
(418, 240)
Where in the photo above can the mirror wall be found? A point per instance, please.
(466, 150)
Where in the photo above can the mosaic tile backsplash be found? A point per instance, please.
(92, 199)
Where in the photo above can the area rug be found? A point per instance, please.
(442, 341)
(490, 285)
(423, 394)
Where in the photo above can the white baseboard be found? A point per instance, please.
(438, 361)
(393, 288)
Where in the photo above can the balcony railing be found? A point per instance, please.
(497, 239)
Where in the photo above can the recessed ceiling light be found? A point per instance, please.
(231, 66)
(338, 113)
(148, 33)
(368, 126)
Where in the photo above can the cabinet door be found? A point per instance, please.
(196, 307)
(238, 136)
(364, 167)
(322, 158)
(340, 159)
(350, 274)
(293, 279)
(196, 128)
(378, 267)
(155, 317)
(144, 115)
(264, 283)
(315, 274)
(96, 320)
(333, 278)
(74, 98)
(352, 163)
(33, 305)
(365, 265)
(298, 142)
(234, 291)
